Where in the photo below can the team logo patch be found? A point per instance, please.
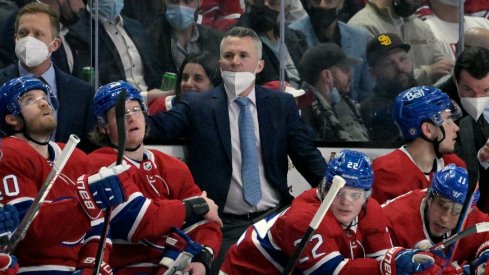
(384, 40)
(412, 131)
(147, 166)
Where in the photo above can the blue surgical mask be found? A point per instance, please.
(180, 17)
(335, 96)
(109, 9)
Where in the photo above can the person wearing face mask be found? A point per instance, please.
(397, 16)
(322, 25)
(210, 122)
(36, 38)
(263, 19)
(175, 35)
(471, 77)
(444, 22)
(67, 11)
(332, 114)
(125, 51)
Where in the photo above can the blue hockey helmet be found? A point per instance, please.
(354, 167)
(14, 89)
(419, 104)
(452, 182)
(106, 96)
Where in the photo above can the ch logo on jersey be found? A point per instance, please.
(147, 166)
(384, 40)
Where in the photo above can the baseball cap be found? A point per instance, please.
(381, 44)
(323, 56)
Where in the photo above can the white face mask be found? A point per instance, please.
(237, 82)
(474, 106)
(32, 51)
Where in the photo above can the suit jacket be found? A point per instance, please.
(75, 112)
(160, 31)
(110, 64)
(204, 120)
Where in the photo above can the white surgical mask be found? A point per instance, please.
(474, 106)
(237, 82)
(32, 51)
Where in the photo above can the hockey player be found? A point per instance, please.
(432, 214)
(53, 242)
(351, 238)
(162, 193)
(425, 117)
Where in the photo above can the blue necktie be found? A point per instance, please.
(249, 155)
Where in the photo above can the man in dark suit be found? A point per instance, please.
(471, 79)
(125, 52)
(210, 124)
(37, 28)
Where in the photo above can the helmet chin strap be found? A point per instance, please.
(127, 148)
(29, 137)
(436, 142)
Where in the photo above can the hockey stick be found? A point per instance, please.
(58, 166)
(336, 185)
(476, 228)
(120, 113)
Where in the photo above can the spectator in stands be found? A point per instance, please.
(220, 14)
(209, 121)
(175, 35)
(198, 73)
(322, 25)
(332, 114)
(389, 16)
(262, 17)
(36, 38)
(68, 12)
(426, 118)
(146, 12)
(125, 51)
(444, 23)
(390, 65)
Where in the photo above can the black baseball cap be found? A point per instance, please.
(323, 56)
(381, 44)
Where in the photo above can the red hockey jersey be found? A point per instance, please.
(266, 246)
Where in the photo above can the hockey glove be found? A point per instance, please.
(104, 190)
(398, 260)
(87, 266)
(179, 251)
(9, 219)
(479, 265)
(8, 264)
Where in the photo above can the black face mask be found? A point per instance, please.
(262, 18)
(403, 8)
(322, 18)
